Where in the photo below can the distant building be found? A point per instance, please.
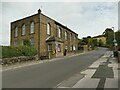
(45, 34)
(101, 38)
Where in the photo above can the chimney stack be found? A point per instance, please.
(39, 11)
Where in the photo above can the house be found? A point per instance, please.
(45, 34)
(101, 39)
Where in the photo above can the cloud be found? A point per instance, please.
(59, 0)
(85, 18)
(90, 18)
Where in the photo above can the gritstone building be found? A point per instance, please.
(101, 38)
(45, 34)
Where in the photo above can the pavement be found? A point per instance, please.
(103, 73)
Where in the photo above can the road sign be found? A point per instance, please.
(114, 41)
(116, 44)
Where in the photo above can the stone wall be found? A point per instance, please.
(12, 60)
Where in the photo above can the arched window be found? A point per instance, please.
(71, 37)
(75, 38)
(66, 36)
(48, 29)
(59, 32)
(16, 31)
(32, 27)
(23, 29)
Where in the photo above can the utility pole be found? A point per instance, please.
(39, 12)
(115, 45)
(115, 42)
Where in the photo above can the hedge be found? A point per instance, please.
(10, 51)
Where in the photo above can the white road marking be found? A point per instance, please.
(114, 65)
(94, 65)
(111, 83)
(115, 73)
(88, 72)
(87, 83)
(59, 84)
(63, 87)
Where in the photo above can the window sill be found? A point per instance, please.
(15, 36)
(31, 33)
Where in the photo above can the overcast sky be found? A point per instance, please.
(84, 18)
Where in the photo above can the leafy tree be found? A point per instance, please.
(92, 42)
(100, 43)
(109, 34)
(117, 34)
(85, 40)
(88, 37)
(95, 42)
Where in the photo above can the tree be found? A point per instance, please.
(109, 34)
(100, 43)
(94, 41)
(85, 40)
(117, 34)
(88, 37)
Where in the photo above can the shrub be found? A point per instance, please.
(9, 51)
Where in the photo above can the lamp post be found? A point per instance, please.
(114, 41)
(115, 44)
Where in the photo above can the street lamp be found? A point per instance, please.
(114, 41)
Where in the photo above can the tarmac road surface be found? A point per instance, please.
(49, 74)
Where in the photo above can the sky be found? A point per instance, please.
(84, 18)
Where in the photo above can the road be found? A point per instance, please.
(49, 74)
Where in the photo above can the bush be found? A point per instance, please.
(9, 51)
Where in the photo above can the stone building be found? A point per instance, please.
(101, 38)
(45, 34)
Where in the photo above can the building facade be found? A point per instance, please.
(101, 38)
(45, 34)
